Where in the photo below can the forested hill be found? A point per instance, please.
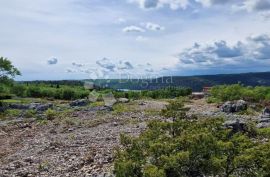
(194, 82)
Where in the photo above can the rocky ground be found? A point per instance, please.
(82, 141)
(81, 144)
(202, 108)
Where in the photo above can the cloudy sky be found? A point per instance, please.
(76, 39)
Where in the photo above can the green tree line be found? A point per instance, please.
(237, 91)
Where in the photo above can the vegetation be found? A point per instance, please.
(237, 91)
(187, 147)
(67, 92)
(169, 92)
(7, 73)
(46, 91)
(7, 70)
(50, 114)
(196, 83)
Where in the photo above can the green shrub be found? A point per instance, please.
(197, 148)
(18, 89)
(237, 91)
(30, 113)
(33, 91)
(4, 96)
(68, 94)
(192, 147)
(50, 114)
(170, 92)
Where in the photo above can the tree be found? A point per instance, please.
(7, 70)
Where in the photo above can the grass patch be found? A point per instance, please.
(30, 113)
(97, 104)
(50, 114)
(71, 121)
(264, 132)
(9, 113)
(213, 100)
(123, 107)
(152, 112)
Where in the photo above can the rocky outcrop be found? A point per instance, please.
(231, 107)
(19, 106)
(266, 113)
(264, 121)
(235, 125)
(43, 107)
(101, 108)
(82, 102)
(35, 106)
(123, 100)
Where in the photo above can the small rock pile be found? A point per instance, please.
(231, 107)
(236, 125)
(82, 102)
(264, 120)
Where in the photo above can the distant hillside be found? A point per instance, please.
(194, 82)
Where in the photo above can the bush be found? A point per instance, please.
(30, 113)
(68, 94)
(197, 148)
(188, 147)
(50, 114)
(4, 96)
(170, 92)
(237, 91)
(33, 91)
(18, 89)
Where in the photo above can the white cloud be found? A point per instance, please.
(153, 26)
(254, 49)
(52, 61)
(132, 28)
(77, 64)
(125, 65)
(208, 3)
(151, 4)
(69, 70)
(106, 64)
(256, 5)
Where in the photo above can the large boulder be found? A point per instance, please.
(227, 107)
(235, 125)
(231, 107)
(82, 102)
(240, 105)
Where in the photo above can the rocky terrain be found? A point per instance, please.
(81, 144)
(81, 141)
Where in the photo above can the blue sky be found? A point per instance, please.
(81, 39)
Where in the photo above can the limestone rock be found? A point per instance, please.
(82, 102)
(123, 100)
